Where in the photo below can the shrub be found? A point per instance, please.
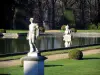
(99, 26)
(63, 27)
(2, 31)
(73, 30)
(75, 54)
(42, 29)
(92, 26)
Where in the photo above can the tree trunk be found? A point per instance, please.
(53, 15)
(40, 13)
(98, 10)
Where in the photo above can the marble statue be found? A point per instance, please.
(33, 63)
(67, 30)
(67, 36)
(32, 36)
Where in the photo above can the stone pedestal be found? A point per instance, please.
(34, 65)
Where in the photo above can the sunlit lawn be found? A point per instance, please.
(16, 31)
(90, 65)
(88, 31)
(25, 31)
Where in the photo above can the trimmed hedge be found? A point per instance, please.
(2, 31)
(63, 27)
(73, 30)
(92, 26)
(98, 26)
(75, 54)
(42, 29)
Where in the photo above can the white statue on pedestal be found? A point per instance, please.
(33, 34)
(34, 62)
(67, 36)
(67, 31)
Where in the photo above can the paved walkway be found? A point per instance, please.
(50, 58)
(62, 56)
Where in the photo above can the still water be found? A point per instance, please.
(43, 43)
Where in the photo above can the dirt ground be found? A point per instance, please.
(50, 58)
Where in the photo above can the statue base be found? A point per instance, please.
(34, 64)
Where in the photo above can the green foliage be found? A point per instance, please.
(73, 30)
(42, 29)
(2, 31)
(63, 27)
(92, 26)
(69, 15)
(99, 26)
(75, 54)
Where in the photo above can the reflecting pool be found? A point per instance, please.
(43, 43)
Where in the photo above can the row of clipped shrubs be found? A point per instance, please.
(72, 29)
(2, 31)
(42, 29)
(93, 26)
(90, 26)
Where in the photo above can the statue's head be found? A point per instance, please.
(67, 27)
(31, 19)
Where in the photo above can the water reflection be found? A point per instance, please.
(67, 39)
(13, 45)
(50, 42)
(43, 43)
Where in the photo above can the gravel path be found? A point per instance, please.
(62, 56)
(50, 58)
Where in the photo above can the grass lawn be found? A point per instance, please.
(25, 31)
(16, 31)
(89, 66)
(88, 31)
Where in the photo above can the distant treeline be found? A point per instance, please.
(54, 13)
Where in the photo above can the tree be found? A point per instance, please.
(69, 7)
(98, 1)
(52, 11)
(8, 14)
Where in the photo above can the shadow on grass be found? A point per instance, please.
(52, 65)
(46, 65)
(90, 58)
(8, 59)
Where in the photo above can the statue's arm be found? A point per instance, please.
(37, 31)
